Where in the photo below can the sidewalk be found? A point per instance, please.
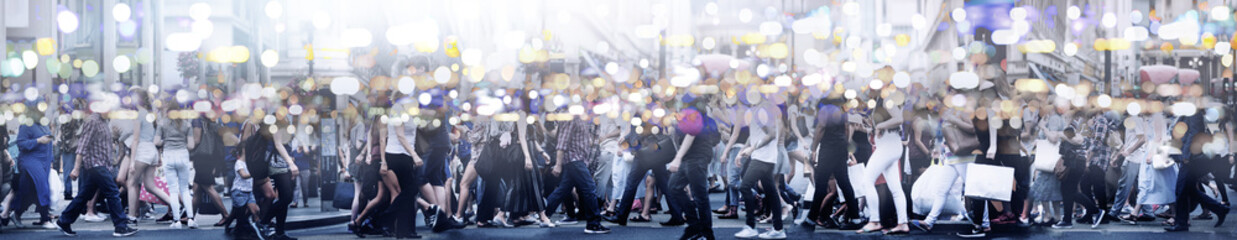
(298, 218)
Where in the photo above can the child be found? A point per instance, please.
(242, 198)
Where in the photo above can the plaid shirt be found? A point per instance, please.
(1097, 143)
(576, 137)
(94, 142)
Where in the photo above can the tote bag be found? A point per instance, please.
(1046, 155)
(989, 182)
(344, 192)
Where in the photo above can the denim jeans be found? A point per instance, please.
(1127, 182)
(734, 175)
(69, 160)
(575, 175)
(693, 173)
(635, 177)
(96, 180)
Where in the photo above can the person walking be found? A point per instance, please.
(698, 135)
(174, 135)
(575, 137)
(92, 166)
(762, 148)
(34, 141)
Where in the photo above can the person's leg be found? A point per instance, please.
(820, 175)
(379, 201)
(774, 204)
(68, 160)
(466, 182)
(634, 177)
(284, 185)
(754, 173)
(133, 186)
(587, 190)
(676, 194)
(184, 176)
(1125, 187)
(172, 176)
(880, 162)
(1071, 194)
(941, 193)
(109, 192)
(697, 178)
(893, 178)
(1022, 180)
(661, 182)
(88, 188)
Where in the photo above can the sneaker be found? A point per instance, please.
(124, 232)
(596, 229)
(1063, 225)
(567, 221)
(973, 233)
(773, 234)
(192, 224)
(49, 225)
(66, 229)
(92, 218)
(1099, 218)
(176, 225)
(747, 232)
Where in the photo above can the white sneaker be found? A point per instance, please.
(176, 225)
(50, 225)
(101, 216)
(773, 234)
(92, 218)
(192, 224)
(747, 232)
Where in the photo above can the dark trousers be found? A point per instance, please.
(1188, 192)
(1072, 192)
(1022, 177)
(96, 180)
(832, 163)
(404, 207)
(576, 175)
(635, 177)
(693, 173)
(277, 209)
(1094, 185)
(1222, 170)
(762, 172)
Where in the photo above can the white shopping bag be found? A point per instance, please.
(989, 182)
(923, 193)
(856, 178)
(56, 185)
(1046, 155)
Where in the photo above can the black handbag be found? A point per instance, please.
(206, 206)
(211, 146)
(344, 192)
(660, 150)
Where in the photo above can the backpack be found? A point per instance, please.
(211, 145)
(258, 156)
